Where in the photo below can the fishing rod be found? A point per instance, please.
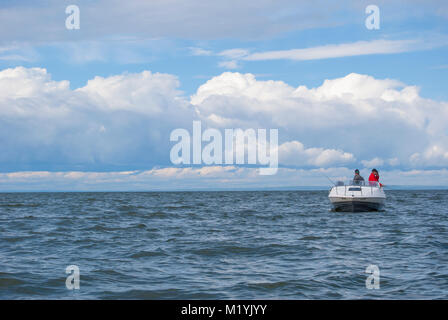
(332, 182)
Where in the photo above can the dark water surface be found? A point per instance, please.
(221, 245)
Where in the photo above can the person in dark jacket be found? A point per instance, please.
(357, 179)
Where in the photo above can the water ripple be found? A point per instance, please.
(221, 245)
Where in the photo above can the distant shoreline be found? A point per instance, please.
(273, 189)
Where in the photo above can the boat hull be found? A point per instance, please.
(355, 198)
(357, 206)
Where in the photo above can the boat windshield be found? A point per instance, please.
(358, 183)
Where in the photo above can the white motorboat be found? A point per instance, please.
(356, 196)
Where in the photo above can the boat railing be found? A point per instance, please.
(357, 183)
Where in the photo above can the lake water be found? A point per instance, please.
(221, 245)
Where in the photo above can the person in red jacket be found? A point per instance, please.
(374, 177)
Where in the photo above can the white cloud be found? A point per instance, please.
(294, 153)
(200, 52)
(120, 121)
(340, 50)
(375, 162)
(14, 57)
(236, 53)
(379, 46)
(329, 51)
(131, 92)
(229, 64)
(240, 86)
(434, 155)
(88, 51)
(124, 121)
(358, 87)
(233, 56)
(366, 117)
(18, 53)
(359, 48)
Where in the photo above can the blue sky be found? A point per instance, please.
(75, 103)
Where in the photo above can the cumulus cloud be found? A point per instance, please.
(433, 156)
(123, 122)
(145, 92)
(294, 153)
(115, 122)
(367, 117)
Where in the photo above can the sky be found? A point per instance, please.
(93, 108)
